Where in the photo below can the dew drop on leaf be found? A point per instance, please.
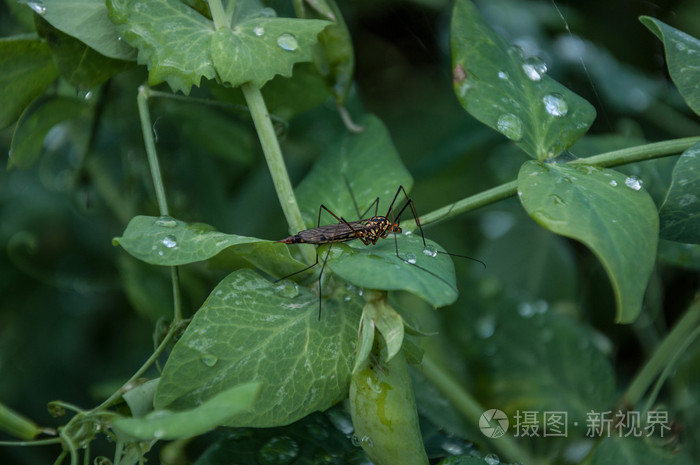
(503, 75)
(259, 30)
(169, 241)
(287, 289)
(411, 258)
(278, 451)
(510, 126)
(534, 68)
(430, 251)
(555, 104)
(287, 42)
(165, 222)
(38, 7)
(209, 359)
(492, 459)
(613, 183)
(633, 182)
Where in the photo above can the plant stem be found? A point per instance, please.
(275, 162)
(470, 409)
(217, 14)
(147, 130)
(609, 159)
(663, 355)
(639, 153)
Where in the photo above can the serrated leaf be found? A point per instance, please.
(26, 69)
(87, 21)
(252, 329)
(180, 46)
(35, 122)
(170, 242)
(171, 38)
(358, 169)
(680, 213)
(595, 206)
(514, 96)
(682, 57)
(211, 413)
(257, 49)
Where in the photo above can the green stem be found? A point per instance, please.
(663, 355)
(470, 409)
(609, 159)
(147, 130)
(639, 153)
(275, 162)
(218, 14)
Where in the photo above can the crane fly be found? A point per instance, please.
(369, 231)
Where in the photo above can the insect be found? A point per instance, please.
(369, 231)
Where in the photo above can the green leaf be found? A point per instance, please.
(140, 398)
(388, 323)
(615, 450)
(170, 242)
(679, 214)
(682, 57)
(605, 210)
(431, 278)
(26, 69)
(87, 21)
(80, 65)
(35, 122)
(259, 48)
(514, 96)
(180, 46)
(252, 329)
(358, 169)
(213, 412)
(171, 38)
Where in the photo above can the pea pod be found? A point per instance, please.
(383, 411)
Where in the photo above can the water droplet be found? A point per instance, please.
(452, 447)
(510, 126)
(430, 251)
(411, 258)
(259, 30)
(209, 359)
(555, 104)
(169, 241)
(633, 182)
(288, 289)
(613, 183)
(534, 68)
(166, 222)
(38, 7)
(278, 451)
(503, 75)
(492, 459)
(526, 310)
(159, 433)
(287, 42)
(486, 326)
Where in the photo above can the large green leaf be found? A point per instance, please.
(171, 242)
(604, 209)
(87, 21)
(164, 424)
(358, 169)
(26, 69)
(80, 65)
(511, 94)
(680, 214)
(251, 329)
(682, 57)
(180, 46)
(418, 269)
(38, 118)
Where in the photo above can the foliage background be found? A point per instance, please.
(77, 315)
